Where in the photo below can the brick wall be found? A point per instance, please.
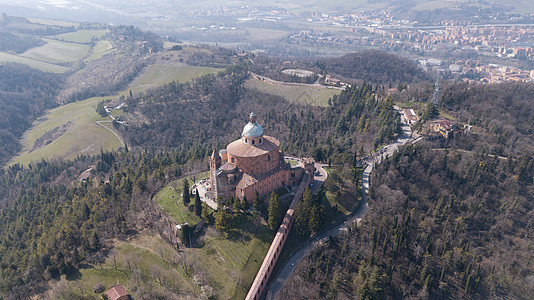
(278, 243)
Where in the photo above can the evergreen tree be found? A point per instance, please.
(314, 222)
(186, 195)
(303, 211)
(101, 110)
(275, 211)
(223, 220)
(256, 201)
(198, 204)
(429, 112)
(185, 235)
(205, 212)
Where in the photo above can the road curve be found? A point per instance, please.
(293, 261)
(118, 136)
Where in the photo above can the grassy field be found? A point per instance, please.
(310, 95)
(228, 265)
(292, 162)
(100, 49)
(446, 114)
(169, 45)
(57, 52)
(263, 33)
(83, 136)
(43, 66)
(232, 263)
(146, 252)
(170, 200)
(158, 75)
(52, 22)
(81, 36)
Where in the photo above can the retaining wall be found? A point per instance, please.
(270, 259)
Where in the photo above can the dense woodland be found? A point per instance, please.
(370, 66)
(442, 224)
(51, 224)
(375, 66)
(212, 110)
(22, 25)
(13, 43)
(24, 95)
(501, 114)
(446, 219)
(505, 112)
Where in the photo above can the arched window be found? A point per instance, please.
(260, 141)
(252, 142)
(268, 157)
(233, 160)
(246, 141)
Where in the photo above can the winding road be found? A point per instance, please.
(405, 137)
(111, 130)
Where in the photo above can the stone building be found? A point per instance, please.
(252, 163)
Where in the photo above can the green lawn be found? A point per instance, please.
(170, 200)
(57, 52)
(292, 162)
(52, 22)
(81, 36)
(146, 252)
(43, 66)
(117, 113)
(169, 45)
(158, 75)
(311, 95)
(263, 33)
(232, 263)
(83, 136)
(445, 114)
(100, 49)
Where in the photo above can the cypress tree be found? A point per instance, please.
(256, 201)
(198, 204)
(186, 195)
(314, 223)
(275, 212)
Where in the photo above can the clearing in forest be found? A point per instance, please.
(302, 94)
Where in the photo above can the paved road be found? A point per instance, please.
(376, 157)
(118, 136)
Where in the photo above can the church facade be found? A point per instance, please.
(253, 163)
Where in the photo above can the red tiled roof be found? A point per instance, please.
(444, 123)
(238, 148)
(116, 292)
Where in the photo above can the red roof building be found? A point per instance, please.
(117, 293)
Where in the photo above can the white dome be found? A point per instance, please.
(252, 130)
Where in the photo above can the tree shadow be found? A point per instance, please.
(74, 274)
(237, 236)
(85, 266)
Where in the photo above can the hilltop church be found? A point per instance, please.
(253, 163)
